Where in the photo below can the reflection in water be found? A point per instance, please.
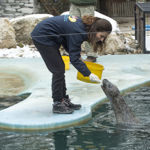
(101, 133)
(7, 101)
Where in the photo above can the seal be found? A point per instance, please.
(123, 113)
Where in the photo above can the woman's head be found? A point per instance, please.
(98, 29)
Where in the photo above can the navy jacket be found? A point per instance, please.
(68, 31)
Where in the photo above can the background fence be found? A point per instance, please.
(123, 9)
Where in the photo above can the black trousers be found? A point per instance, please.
(53, 60)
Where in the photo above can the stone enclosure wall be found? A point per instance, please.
(16, 8)
(54, 7)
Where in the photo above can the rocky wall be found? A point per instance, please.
(16, 8)
(54, 7)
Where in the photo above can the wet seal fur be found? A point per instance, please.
(123, 113)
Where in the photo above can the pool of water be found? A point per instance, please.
(101, 133)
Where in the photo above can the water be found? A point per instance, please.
(101, 133)
(7, 101)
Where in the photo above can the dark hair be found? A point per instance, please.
(93, 25)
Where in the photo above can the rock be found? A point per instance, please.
(23, 28)
(127, 34)
(120, 53)
(134, 46)
(122, 37)
(7, 34)
(83, 47)
(112, 45)
(20, 45)
(138, 51)
(64, 53)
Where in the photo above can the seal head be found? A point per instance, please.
(123, 113)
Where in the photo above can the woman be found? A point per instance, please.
(70, 32)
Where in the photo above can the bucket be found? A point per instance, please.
(95, 68)
(66, 60)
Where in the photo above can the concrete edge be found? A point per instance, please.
(77, 122)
